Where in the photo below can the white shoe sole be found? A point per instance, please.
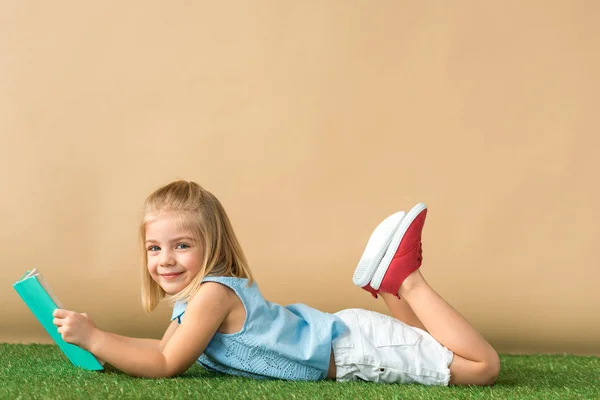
(382, 267)
(376, 246)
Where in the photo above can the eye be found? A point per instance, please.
(153, 248)
(182, 246)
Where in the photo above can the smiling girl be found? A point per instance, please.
(221, 320)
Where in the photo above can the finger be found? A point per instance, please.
(60, 313)
(57, 321)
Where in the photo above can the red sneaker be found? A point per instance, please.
(376, 247)
(404, 255)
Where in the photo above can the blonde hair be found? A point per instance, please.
(202, 213)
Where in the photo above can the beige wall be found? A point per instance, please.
(311, 121)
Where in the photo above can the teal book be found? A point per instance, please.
(42, 302)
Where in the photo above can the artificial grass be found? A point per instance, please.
(41, 372)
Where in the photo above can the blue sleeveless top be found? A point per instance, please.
(292, 342)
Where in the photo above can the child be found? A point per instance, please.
(221, 320)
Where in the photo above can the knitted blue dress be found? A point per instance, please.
(292, 342)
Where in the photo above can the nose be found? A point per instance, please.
(166, 258)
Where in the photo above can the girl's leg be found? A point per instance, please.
(401, 310)
(475, 361)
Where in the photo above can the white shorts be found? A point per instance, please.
(379, 348)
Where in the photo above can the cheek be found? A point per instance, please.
(193, 261)
(151, 265)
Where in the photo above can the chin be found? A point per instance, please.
(171, 291)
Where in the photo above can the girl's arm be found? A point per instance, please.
(204, 315)
(153, 344)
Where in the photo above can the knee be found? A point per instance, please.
(480, 373)
(491, 369)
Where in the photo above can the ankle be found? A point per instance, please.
(413, 281)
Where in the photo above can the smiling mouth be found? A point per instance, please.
(171, 275)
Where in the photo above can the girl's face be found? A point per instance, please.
(174, 255)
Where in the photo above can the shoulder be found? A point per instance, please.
(216, 289)
(213, 295)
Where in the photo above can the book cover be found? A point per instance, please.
(42, 302)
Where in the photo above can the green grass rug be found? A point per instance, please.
(42, 372)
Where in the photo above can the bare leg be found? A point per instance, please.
(475, 361)
(401, 310)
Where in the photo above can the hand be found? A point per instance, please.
(75, 328)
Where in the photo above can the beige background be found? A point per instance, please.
(311, 121)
